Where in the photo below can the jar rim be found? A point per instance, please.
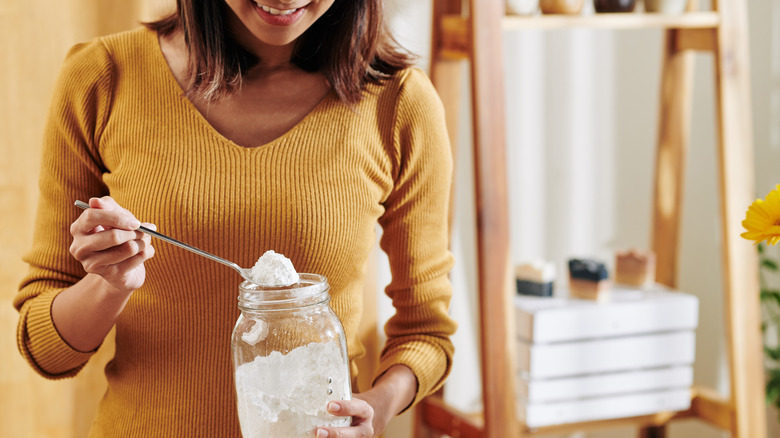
(299, 294)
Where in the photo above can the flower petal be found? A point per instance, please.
(773, 203)
(762, 219)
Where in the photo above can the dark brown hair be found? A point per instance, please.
(350, 44)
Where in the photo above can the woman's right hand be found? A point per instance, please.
(107, 243)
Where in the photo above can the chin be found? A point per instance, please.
(278, 40)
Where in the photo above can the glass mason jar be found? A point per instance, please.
(290, 359)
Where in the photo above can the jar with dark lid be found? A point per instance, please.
(290, 359)
(614, 5)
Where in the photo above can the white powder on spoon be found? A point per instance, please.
(273, 269)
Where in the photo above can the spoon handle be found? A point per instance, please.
(84, 205)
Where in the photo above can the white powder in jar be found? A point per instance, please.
(273, 269)
(286, 395)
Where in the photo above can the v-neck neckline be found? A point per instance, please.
(174, 86)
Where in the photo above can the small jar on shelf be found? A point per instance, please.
(568, 7)
(614, 5)
(669, 7)
(522, 7)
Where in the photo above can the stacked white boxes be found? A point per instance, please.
(582, 360)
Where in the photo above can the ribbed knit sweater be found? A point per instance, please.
(120, 125)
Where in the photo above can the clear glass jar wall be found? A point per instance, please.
(290, 359)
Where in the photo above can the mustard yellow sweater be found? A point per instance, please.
(119, 125)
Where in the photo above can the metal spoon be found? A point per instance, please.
(246, 273)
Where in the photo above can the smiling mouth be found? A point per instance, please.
(274, 11)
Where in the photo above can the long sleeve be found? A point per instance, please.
(71, 169)
(415, 238)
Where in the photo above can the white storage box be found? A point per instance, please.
(538, 361)
(627, 312)
(582, 360)
(600, 408)
(600, 385)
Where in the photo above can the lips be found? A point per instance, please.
(274, 11)
(279, 17)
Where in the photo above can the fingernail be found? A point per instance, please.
(322, 433)
(152, 227)
(334, 407)
(135, 223)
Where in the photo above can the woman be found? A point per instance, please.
(237, 126)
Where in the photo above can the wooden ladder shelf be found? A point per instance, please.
(477, 38)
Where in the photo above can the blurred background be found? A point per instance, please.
(581, 119)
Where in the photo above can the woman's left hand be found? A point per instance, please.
(373, 409)
(362, 415)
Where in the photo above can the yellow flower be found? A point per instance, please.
(762, 220)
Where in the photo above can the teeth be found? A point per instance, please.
(274, 11)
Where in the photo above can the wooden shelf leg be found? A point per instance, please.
(447, 79)
(490, 170)
(737, 191)
(673, 134)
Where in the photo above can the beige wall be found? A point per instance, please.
(34, 37)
